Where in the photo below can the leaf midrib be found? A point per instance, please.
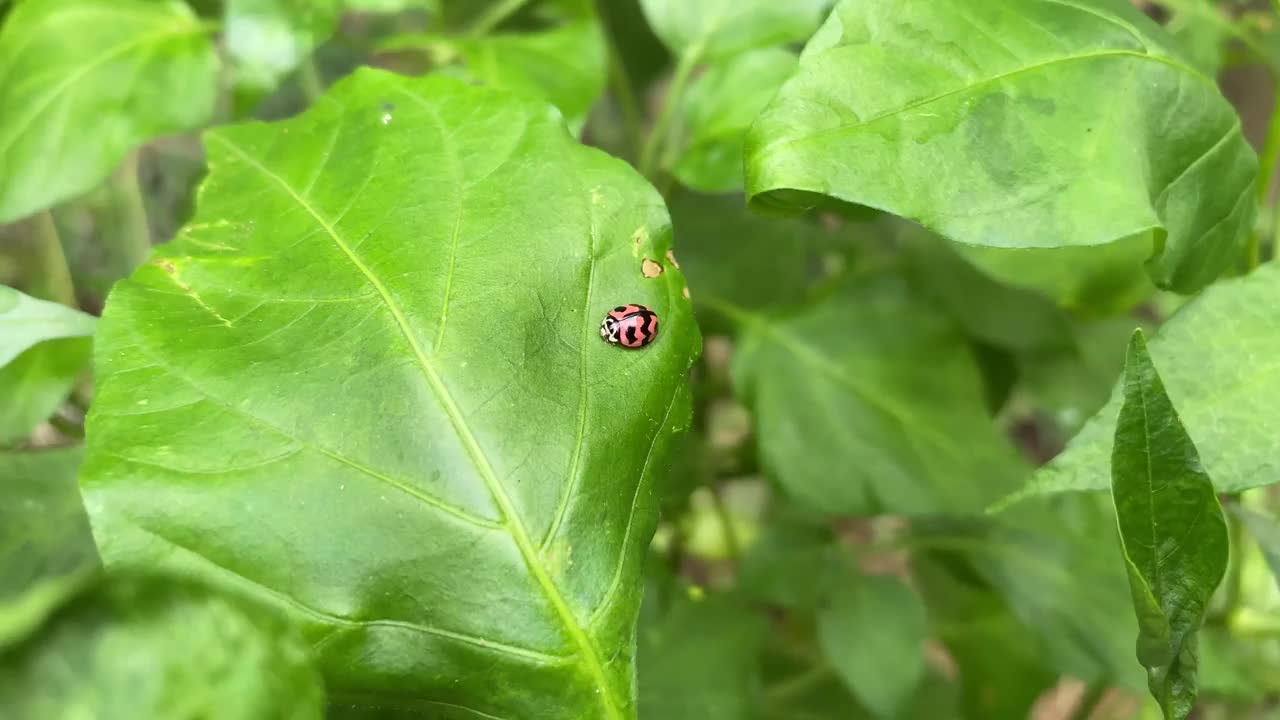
(514, 523)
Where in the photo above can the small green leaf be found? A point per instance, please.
(1226, 399)
(156, 649)
(872, 631)
(44, 349)
(720, 28)
(698, 660)
(26, 321)
(984, 121)
(1172, 532)
(718, 108)
(1266, 531)
(366, 385)
(84, 82)
(850, 421)
(46, 548)
(268, 39)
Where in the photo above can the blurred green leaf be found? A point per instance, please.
(565, 65)
(84, 82)
(872, 631)
(1227, 400)
(46, 549)
(789, 565)
(155, 649)
(1042, 560)
(1205, 30)
(1171, 530)
(1002, 671)
(44, 349)
(267, 39)
(718, 108)
(719, 28)
(850, 421)
(1013, 143)
(1266, 531)
(699, 660)
(26, 321)
(330, 367)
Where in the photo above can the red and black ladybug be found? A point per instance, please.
(632, 326)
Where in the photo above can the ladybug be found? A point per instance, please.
(632, 326)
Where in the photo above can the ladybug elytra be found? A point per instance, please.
(631, 326)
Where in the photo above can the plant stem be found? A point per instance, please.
(52, 278)
(1094, 694)
(659, 137)
(494, 17)
(797, 684)
(1266, 180)
(309, 79)
(731, 542)
(131, 235)
(1233, 584)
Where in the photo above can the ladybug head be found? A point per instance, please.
(609, 330)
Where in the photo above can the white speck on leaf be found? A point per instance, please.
(386, 118)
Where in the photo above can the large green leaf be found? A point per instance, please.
(872, 631)
(44, 349)
(46, 549)
(267, 39)
(850, 421)
(719, 28)
(1227, 400)
(719, 107)
(1172, 532)
(366, 385)
(984, 120)
(155, 649)
(83, 82)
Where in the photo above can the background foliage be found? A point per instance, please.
(349, 444)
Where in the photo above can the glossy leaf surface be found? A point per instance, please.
(46, 549)
(718, 28)
(83, 82)
(1172, 532)
(984, 121)
(390, 412)
(1226, 400)
(850, 422)
(156, 649)
(872, 631)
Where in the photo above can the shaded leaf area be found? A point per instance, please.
(395, 342)
(44, 349)
(717, 110)
(83, 82)
(984, 122)
(720, 28)
(1041, 561)
(1172, 532)
(147, 648)
(267, 39)
(46, 548)
(698, 656)
(872, 631)
(1225, 399)
(564, 65)
(839, 384)
(1000, 673)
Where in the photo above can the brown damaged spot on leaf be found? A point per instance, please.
(637, 239)
(671, 256)
(650, 269)
(171, 267)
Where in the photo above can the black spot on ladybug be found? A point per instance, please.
(631, 326)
